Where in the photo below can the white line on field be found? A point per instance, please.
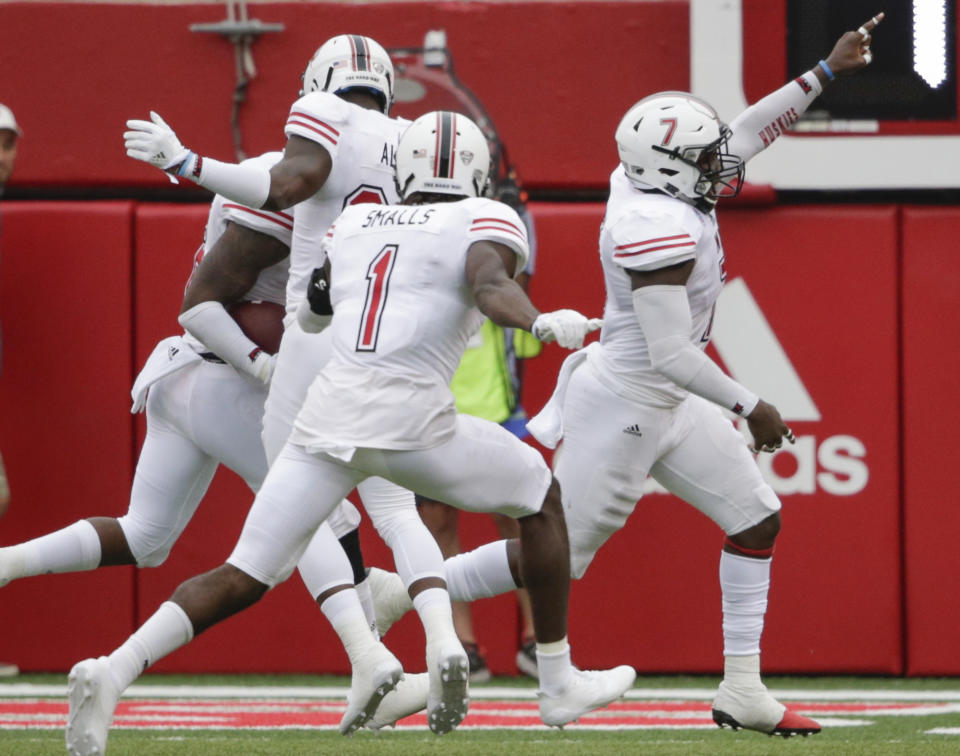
(477, 692)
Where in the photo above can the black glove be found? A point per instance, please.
(318, 292)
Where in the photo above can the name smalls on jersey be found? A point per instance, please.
(408, 216)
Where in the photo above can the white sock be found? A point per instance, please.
(745, 583)
(480, 573)
(324, 565)
(74, 548)
(366, 603)
(344, 612)
(436, 614)
(742, 671)
(554, 667)
(167, 630)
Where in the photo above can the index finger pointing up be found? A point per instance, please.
(870, 25)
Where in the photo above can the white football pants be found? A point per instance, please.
(611, 443)
(301, 357)
(197, 417)
(482, 468)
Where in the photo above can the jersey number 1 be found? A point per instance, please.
(378, 284)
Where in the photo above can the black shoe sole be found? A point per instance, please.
(722, 719)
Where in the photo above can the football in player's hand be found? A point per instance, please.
(261, 322)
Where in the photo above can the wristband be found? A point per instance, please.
(190, 167)
(826, 70)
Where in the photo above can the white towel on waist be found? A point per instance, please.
(547, 425)
(168, 356)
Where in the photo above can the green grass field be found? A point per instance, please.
(885, 734)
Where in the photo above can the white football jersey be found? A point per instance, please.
(271, 283)
(403, 314)
(645, 231)
(362, 144)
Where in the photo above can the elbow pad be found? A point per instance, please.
(664, 316)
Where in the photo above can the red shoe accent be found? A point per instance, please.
(795, 724)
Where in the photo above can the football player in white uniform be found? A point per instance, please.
(340, 150)
(406, 285)
(649, 372)
(202, 409)
(646, 399)
(347, 112)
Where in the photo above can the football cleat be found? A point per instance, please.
(390, 598)
(448, 695)
(589, 690)
(755, 709)
(409, 697)
(527, 659)
(375, 674)
(479, 671)
(93, 700)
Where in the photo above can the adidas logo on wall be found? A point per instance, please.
(752, 354)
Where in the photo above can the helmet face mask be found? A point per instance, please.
(443, 153)
(351, 62)
(675, 142)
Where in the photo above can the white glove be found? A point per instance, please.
(154, 142)
(262, 367)
(567, 327)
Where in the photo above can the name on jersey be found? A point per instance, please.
(406, 216)
(389, 155)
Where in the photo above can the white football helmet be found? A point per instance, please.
(675, 142)
(443, 153)
(351, 61)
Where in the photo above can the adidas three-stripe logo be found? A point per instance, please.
(633, 430)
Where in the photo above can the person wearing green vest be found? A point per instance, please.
(487, 384)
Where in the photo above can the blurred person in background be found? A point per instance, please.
(487, 384)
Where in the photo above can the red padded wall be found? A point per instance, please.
(822, 277)
(65, 428)
(146, 57)
(931, 364)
